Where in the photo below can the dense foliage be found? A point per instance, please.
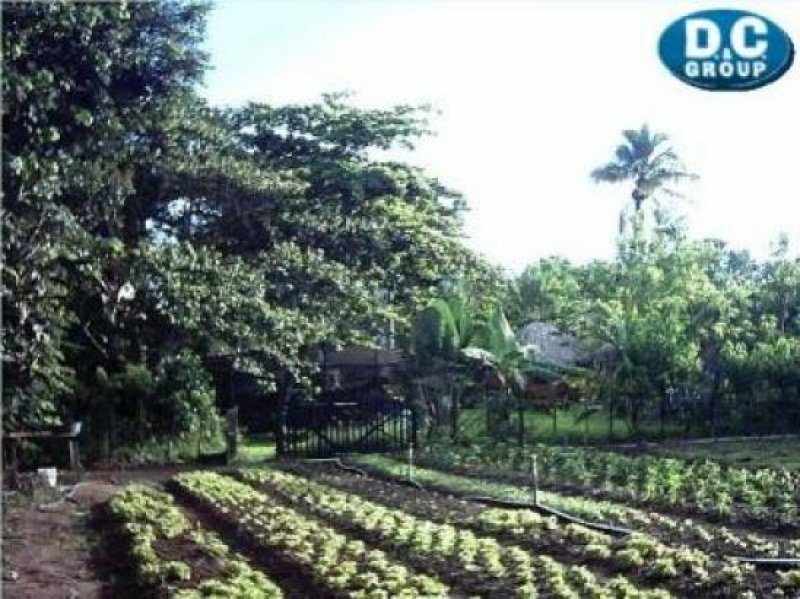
(690, 330)
(144, 230)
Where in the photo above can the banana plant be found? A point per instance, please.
(499, 349)
(453, 336)
(442, 332)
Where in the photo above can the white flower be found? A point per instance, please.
(126, 293)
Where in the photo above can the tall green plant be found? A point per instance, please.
(443, 332)
(499, 349)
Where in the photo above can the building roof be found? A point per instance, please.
(555, 346)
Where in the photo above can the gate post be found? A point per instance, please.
(283, 407)
(414, 425)
(232, 434)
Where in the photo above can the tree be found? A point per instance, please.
(91, 96)
(141, 224)
(643, 160)
(649, 323)
(549, 291)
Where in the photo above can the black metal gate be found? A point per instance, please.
(316, 428)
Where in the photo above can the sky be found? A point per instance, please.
(530, 96)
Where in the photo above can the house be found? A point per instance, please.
(561, 350)
(555, 346)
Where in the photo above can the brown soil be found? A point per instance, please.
(441, 508)
(462, 582)
(60, 552)
(182, 548)
(56, 553)
(48, 554)
(65, 550)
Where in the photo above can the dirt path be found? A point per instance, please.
(48, 554)
(51, 554)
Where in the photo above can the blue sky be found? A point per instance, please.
(531, 96)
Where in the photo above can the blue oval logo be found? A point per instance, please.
(726, 50)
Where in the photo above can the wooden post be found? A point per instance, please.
(535, 474)
(73, 453)
(411, 461)
(283, 395)
(486, 410)
(454, 408)
(232, 434)
(586, 430)
(414, 425)
(14, 455)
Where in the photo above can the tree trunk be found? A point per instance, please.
(715, 385)
(555, 423)
(487, 411)
(638, 198)
(140, 419)
(633, 415)
(456, 411)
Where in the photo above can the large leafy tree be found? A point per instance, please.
(549, 291)
(645, 324)
(393, 225)
(91, 95)
(140, 224)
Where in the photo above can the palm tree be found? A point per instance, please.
(643, 159)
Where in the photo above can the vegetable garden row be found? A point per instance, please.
(769, 497)
(669, 528)
(298, 530)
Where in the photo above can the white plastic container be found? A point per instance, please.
(48, 475)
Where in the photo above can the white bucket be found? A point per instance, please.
(48, 475)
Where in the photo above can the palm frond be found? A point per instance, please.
(610, 173)
(632, 135)
(624, 154)
(658, 139)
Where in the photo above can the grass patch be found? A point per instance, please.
(563, 427)
(256, 448)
